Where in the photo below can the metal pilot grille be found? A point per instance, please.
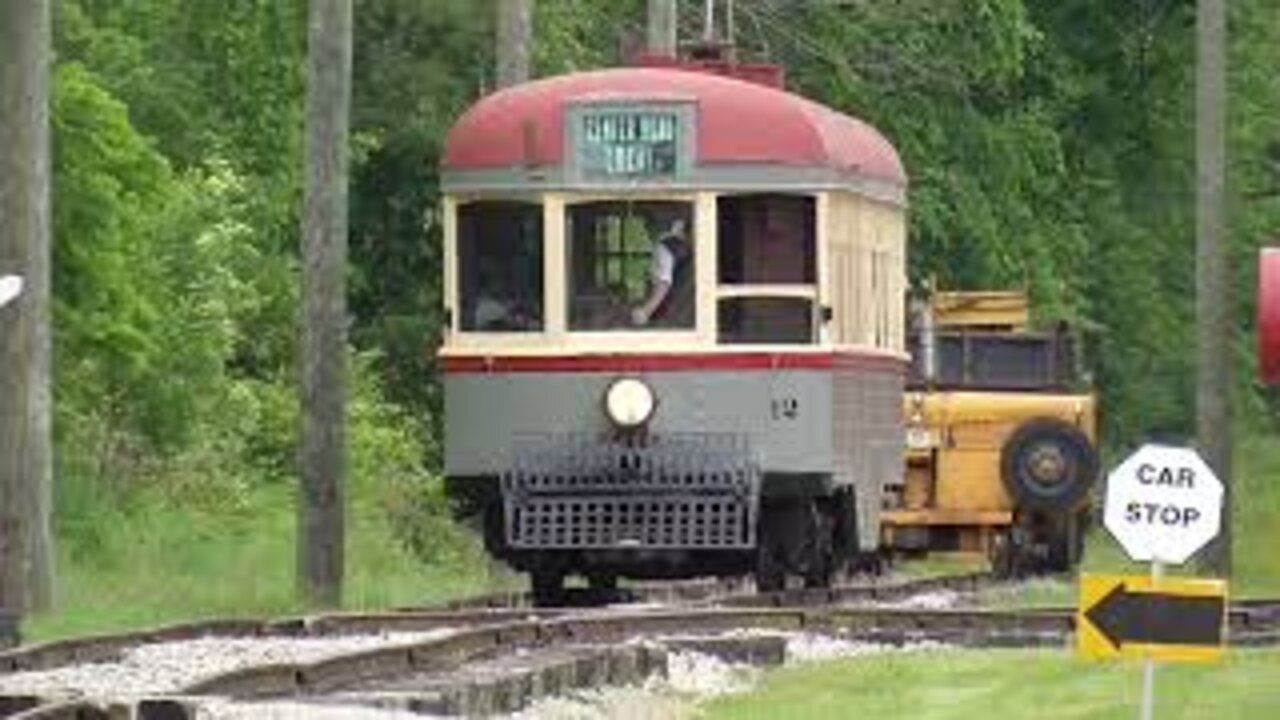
(686, 491)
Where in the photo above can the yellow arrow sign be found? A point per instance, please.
(1136, 616)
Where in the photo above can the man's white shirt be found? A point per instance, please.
(662, 265)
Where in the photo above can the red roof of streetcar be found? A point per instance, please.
(739, 123)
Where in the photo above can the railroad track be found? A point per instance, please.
(732, 593)
(570, 648)
(479, 609)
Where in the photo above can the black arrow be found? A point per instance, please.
(1158, 618)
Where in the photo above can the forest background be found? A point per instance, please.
(1049, 144)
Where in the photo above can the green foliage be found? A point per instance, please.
(176, 185)
(417, 67)
(1048, 142)
(581, 35)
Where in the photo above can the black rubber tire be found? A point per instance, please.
(1071, 446)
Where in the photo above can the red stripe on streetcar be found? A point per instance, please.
(619, 363)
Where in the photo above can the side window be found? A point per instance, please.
(766, 320)
(767, 240)
(768, 269)
(631, 265)
(500, 266)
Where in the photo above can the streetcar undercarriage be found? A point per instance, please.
(800, 526)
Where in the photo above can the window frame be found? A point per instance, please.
(812, 291)
(453, 335)
(535, 211)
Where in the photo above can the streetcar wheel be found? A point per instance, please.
(770, 575)
(548, 588)
(819, 560)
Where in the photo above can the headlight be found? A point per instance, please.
(629, 403)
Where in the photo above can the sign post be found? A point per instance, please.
(1149, 665)
(1162, 504)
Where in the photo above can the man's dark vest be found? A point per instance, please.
(677, 308)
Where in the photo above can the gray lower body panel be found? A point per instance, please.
(568, 486)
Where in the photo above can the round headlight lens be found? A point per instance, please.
(629, 402)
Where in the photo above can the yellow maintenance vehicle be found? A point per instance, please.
(1001, 438)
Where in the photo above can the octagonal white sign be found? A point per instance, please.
(1163, 504)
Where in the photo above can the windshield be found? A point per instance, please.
(631, 265)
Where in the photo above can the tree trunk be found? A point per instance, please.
(26, 461)
(514, 41)
(1213, 279)
(324, 337)
(663, 20)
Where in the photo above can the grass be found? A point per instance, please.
(938, 685)
(162, 564)
(942, 564)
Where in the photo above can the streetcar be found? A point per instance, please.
(674, 340)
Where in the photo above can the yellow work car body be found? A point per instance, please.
(1000, 444)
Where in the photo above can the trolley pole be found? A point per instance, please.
(1213, 283)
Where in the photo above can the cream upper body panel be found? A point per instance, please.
(855, 292)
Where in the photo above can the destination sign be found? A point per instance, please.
(629, 143)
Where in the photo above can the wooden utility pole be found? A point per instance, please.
(26, 460)
(1213, 282)
(321, 503)
(664, 19)
(514, 41)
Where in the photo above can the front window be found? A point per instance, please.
(631, 265)
(500, 266)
